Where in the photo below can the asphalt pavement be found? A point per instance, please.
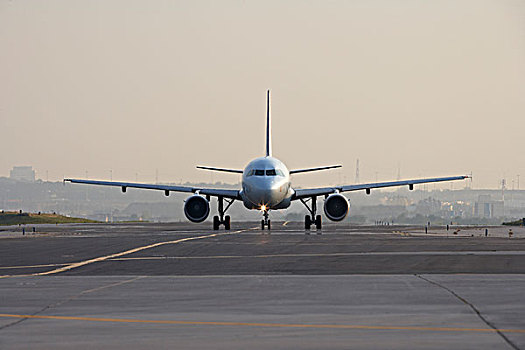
(185, 286)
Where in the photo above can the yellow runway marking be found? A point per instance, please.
(116, 255)
(401, 233)
(257, 324)
(31, 266)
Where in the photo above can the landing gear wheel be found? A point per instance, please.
(227, 222)
(220, 219)
(318, 224)
(269, 225)
(265, 221)
(216, 223)
(307, 222)
(311, 219)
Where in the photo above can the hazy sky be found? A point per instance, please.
(434, 87)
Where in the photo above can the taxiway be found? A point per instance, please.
(185, 286)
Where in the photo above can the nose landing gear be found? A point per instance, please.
(220, 219)
(312, 219)
(266, 222)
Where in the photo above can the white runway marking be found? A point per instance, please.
(436, 253)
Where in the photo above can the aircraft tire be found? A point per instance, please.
(262, 225)
(269, 225)
(307, 222)
(318, 224)
(227, 222)
(216, 223)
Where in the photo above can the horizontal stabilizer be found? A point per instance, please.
(314, 169)
(220, 169)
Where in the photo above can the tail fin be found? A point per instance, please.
(268, 127)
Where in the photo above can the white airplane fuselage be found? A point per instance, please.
(266, 184)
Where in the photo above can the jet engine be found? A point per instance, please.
(336, 207)
(196, 208)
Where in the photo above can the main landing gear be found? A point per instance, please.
(266, 222)
(220, 219)
(312, 219)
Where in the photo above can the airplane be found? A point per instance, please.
(266, 185)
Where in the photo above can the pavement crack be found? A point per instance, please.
(473, 307)
(71, 298)
(17, 321)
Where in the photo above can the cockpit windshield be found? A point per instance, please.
(267, 172)
(274, 172)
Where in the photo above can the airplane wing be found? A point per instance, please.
(311, 192)
(296, 171)
(219, 169)
(216, 192)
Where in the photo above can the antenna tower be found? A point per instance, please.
(357, 171)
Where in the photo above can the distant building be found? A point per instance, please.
(22, 173)
(428, 206)
(485, 207)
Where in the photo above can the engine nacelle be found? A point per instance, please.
(196, 208)
(336, 207)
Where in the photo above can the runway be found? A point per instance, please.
(185, 286)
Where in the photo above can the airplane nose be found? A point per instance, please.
(265, 192)
(270, 194)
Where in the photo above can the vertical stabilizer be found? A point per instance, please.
(268, 126)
